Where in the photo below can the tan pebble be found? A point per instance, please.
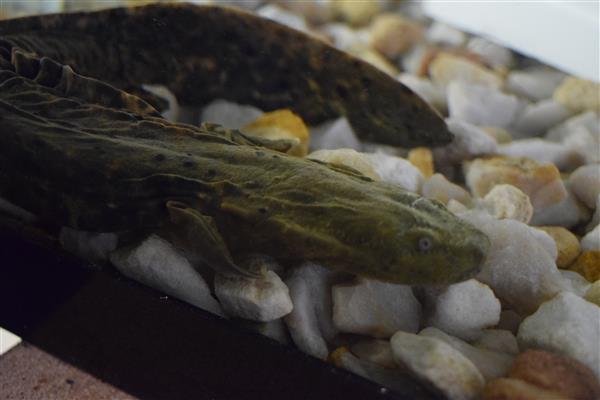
(508, 201)
(456, 207)
(281, 124)
(558, 373)
(516, 389)
(447, 67)
(566, 243)
(376, 351)
(593, 293)
(392, 34)
(375, 59)
(335, 357)
(422, 158)
(349, 158)
(439, 188)
(541, 182)
(433, 52)
(499, 134)
(588, 265)
(355, 12)
(578, 95)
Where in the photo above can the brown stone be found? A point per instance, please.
(566, 243)
(588, 265)
(392, 34)
(557, 373)
(515, 389)
(422, 158)
(281, 124)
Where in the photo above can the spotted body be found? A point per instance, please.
(80, 152)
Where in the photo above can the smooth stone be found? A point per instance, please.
(334, 135)
(427, 90)
(344, 37)
(392, 34)
(16, 211)
(422, 158)
(310, 323)
(463, 309)
(446, 68)
(376, 351)
(397, 170)
(284, 17)
(508, 201)
(593, 293)
(281, 124)
(591, 241)
(500, 340)
(441, 33)
(585, 184)
(575, 282)
(481, 105)
(361, 162)
(355, 12)
(588, 265)
(263, 299)
(584, 144)
(519, 267)
(469, 141)
(375, 308)
(439, 188)
(491, 364)
(579, 95)
(541, 182)
(500, 135)
(394, 378)
(534, 83)
(438, 364)
(228, 114)
(491, 53)
(587, 121)
(544, 152)
(566, 213)
(555, 372)
(537, 118)
(173, 110)
(91, 246)
(568, 325)
(516, 389)
(456, 207)
(413, 61)
(156, 263)
(566, 243)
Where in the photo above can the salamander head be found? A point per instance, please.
(416, 242)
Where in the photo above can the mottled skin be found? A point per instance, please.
(81, 153)
(203, 53)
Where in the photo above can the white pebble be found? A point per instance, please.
(346, 38)
(334, 135)
(481, 105)
(438, 364)
(230, 115)
(588, 121)
(567, 324)
(469, 142)
(264, 299)
(493, 54)
(375, 308)
(537, 118)
(361, 162)
(501, 340)
(156, 263)
(427, 90)
(585, 184)
(535, 83)
(583, 145)
(91, 246)
(508, 201)
(439, 188)
(464, 309)
(397, 170)
(575, 282)
(284, 17)
(310, 322)
(520, 271)
(441, 33)
(591, 241)
(491, 364)
(543, 151)
(566, 213)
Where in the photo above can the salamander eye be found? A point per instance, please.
(425, 243)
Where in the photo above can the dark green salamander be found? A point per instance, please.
(77, 149)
